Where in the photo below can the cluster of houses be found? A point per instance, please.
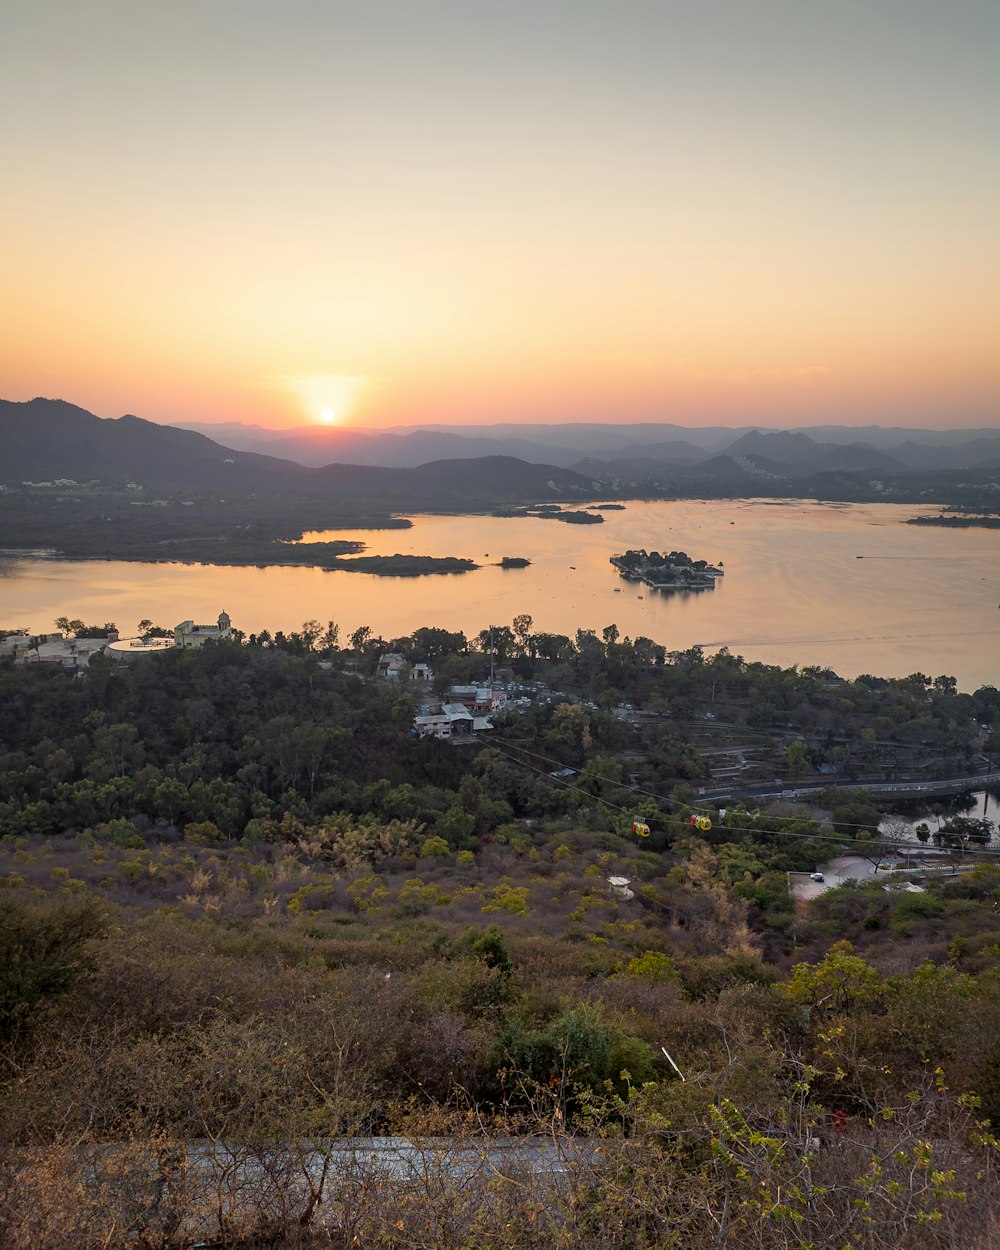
(395, 667)
(462, 712)
(76, 652)
(465, 712)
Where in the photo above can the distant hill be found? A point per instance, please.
(672, 451)
(315, 446)
(974, 453)
(487, 479)
(45, 440)
(781, 447)
(402, 451)
(795, 455)
(889, 438)
(860, 456)
(636, 451)
(725, 471)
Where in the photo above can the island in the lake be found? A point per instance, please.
(553, 512)
(405, 566)
(578, 518)
(957, 521)
(674, 570)
(514, 562)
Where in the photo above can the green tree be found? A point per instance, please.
(840, 982)
(360, 638)
(522, 631)
(42, 951)
(795, 760)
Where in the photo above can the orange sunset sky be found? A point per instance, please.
(731, 212)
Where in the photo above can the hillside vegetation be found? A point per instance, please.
(244, 913)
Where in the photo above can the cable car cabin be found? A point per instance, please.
(700, 822)
(640, 829)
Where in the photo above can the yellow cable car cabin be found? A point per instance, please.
(700, 822)
(640, 829)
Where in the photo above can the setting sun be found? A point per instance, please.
(327, 398)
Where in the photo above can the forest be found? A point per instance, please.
(246, 916)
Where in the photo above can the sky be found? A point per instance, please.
(395, 212)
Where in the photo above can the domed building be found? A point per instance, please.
(188, 634)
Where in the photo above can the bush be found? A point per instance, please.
(916, 907)
(652, 966)
(367, 893)
(203, 833)
(41, 954)
(415, 897)
(512, 898)
(434, 846)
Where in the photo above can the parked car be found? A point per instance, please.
(816, 876)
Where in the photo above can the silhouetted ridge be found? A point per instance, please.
(46, 440)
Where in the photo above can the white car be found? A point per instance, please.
(816, 876)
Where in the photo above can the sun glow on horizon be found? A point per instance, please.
(328, 398)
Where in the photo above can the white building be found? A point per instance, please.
(128, 649)
(72, 653)
(393, 667)
(189, 635)
(22, 641)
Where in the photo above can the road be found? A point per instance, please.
(854, 868)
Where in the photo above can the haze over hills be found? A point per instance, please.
(49, 440)
(637, 452)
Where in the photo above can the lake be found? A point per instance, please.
(795, 590)
(980, 804)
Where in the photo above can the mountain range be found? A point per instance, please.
(50, 441)
(45, 440)
(635, 452)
